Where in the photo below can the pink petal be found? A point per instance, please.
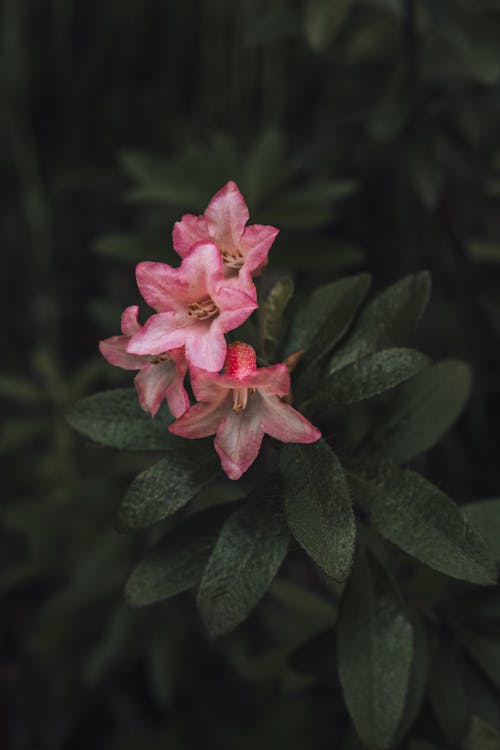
(226, 215)
(208, 386)
(129, 322)
(238, 441)
(206, 346)
(161, 333)
(273, 380)
(203, 419)
(235, 307)
(189, 230)
(162, 286)
(152, 384)
(281, 421)
(256, 243)
(114, 350)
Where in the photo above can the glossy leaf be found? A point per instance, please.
(164, 488)
(318, 507)
(374, 655)
(176, 563)
(389, 321)
(114, 418)
(421, 411)
(415, 515)
(251, 547)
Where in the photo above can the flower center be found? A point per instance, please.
(232, 258)
(240, 399)
(160, 358)
(204, 309)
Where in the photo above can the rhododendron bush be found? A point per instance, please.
(252, 398)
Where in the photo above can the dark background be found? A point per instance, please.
(369, 133)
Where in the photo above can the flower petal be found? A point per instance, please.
(272, 380)
(189, 230)
(255, 245)
(114, 350)
(206, 346)
(129, 321)
(227, 214)
(283, 422)
(235, 307)
(162, 286)
(161, 333)
(203, 419)
(238, 440)
(152, 384)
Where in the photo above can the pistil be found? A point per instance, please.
(240, 399)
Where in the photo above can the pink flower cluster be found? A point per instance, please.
(209, 294)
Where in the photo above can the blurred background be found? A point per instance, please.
(368, 131)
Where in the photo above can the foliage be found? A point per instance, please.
(367, 130)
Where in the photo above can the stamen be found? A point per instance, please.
(204, 309)
(233, 259)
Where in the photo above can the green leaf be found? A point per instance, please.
(367, 377)
(250, 549)
(326, 316)
(448, 695)
(115, 418)
(421, 411)
(418, 679)
(390, 320)
(484, 648)
(422, 745)
(485, 515)
(482, 736)
(177, 562)
(323, 20)
(19, 389)
(318, 507)
(374, 655)
(421, 520)
(165, 487)
(271, 315)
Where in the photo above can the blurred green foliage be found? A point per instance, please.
(368, 132)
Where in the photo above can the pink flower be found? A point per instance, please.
(195, 308)
(244, 249)
(160, 376)
(241, 405)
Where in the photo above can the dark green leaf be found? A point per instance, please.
(415, 515)
(250, 549)
(271, 314)
(177, 562)
(482, 736)
(325, 317)
(390, 320)
(165, 487)
(115, 418)
(367, 377)
(485, 650)
(448, 695)
(374, 655)
(422, 745)
(421, 411)
(323, 20)
(485, 515)
(318, 507)
(418, 679)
